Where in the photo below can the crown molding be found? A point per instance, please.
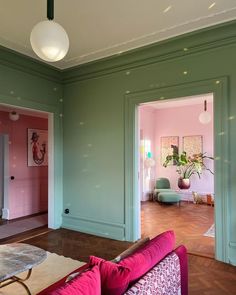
(210, 38)
(29, 65)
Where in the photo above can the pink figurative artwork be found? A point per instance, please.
(37, 147)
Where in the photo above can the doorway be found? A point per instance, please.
(219, 88)
(172, 128)
(27, 183)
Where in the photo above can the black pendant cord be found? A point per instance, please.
(50, 9)
(205, 105)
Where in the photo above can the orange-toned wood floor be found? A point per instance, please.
(189, 221)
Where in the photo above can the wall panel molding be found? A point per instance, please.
(94, 227)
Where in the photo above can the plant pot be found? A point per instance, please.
(184, 183)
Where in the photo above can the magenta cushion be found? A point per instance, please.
(88, 283)
(149, 255)
(114, 277)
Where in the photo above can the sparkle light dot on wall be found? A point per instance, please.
(185, 49)
(185, 72)
(212, 5)
(61, 100)
(61, 115)
(12, 92)
(127, 91)
(221, 133)
(127, 73)
(167, 9)
(231, 117)
(81, 123)
(218, 82)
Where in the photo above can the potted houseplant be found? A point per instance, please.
(187, 166)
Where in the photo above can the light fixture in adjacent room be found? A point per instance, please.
(48, 39)
(205, 116)
(149, 161)
(14, 116)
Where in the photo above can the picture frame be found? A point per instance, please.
(37, 147)
(169, 145)
(193, 144)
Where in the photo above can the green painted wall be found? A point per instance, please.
(94, 124)
(31, 84)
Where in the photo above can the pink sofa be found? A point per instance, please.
(155, 268)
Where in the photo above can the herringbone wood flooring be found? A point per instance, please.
(189, 221)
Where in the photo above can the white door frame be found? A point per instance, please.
(51, 194)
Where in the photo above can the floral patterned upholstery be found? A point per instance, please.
(163, 279)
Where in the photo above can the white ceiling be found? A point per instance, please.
(100, 28)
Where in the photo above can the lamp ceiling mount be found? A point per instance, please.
(50, 9)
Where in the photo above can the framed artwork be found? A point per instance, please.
(192, 144)
(169, 145)
(37, 147)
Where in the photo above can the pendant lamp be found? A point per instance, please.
(205, 116)
(14, 116)
(48, 39)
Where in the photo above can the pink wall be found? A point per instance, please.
(183, 121)
(28, 192)
(179, 121)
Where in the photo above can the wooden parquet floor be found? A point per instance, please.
(189, 221)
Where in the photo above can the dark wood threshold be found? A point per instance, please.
(6, 221)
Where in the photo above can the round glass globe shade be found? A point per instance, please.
(14, 116)
(205, 117)
(49, 41)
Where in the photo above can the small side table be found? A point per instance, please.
(16, 258)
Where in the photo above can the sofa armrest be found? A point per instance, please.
(61, 282)
(181, 252)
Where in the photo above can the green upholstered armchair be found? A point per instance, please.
(163, 192)
(162, 185)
